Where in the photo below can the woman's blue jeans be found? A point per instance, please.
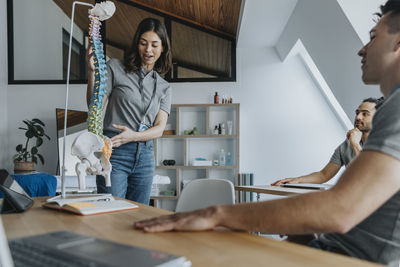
(132, 172)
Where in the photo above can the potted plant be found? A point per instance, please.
(26, 158)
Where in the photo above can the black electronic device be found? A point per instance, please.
(169, 162)
(15, 198)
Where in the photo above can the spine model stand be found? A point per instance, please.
(93, 148)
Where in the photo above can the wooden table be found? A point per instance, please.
(273, 190)
(212, 248)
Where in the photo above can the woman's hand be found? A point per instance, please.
(127, 135)
(89, 59)
(198, 220)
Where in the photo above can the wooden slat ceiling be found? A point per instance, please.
(220, 15)
(191, 46)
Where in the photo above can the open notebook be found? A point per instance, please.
(89, 204)
(71, 249)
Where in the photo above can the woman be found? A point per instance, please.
(139, 102)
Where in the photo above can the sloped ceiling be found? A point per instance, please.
(193, 48)
(217, 15)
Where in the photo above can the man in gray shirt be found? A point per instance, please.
(346, 151)
(360, 214)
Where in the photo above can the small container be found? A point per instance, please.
(230, 127)
(228, 159)
(216, 98)
(216, 129)
(223, 132)
(215, 162)
(222, 157)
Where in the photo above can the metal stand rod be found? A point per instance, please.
(67, 92)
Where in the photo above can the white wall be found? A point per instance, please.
(39, 35)
(359, 13)
(287, 128)
(4, 155)
(333, 44)
(40, 101)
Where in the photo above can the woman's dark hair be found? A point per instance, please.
(132, 60)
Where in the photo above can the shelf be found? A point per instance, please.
(205, 105)
(199, 136)
(163, 197)
(196, 167)
(185, 148)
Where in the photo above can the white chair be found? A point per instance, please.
(201, 193)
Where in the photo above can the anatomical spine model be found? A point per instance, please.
(93, 148)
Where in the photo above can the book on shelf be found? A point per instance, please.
(246, 179)
(89, 204)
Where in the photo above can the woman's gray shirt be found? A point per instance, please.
(125, 106)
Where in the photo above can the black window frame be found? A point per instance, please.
(167, 21)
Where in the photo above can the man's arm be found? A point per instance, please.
(356, 195)
(324, 175)
(127, 135)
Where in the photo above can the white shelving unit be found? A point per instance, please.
(184, 148)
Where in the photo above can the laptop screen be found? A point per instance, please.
(5, 255)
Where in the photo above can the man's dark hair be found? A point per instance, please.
(377, 102)
(132, 60)
(392, 6)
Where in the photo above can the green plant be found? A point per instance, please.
(34, 129)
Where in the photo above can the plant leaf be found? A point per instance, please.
(41, 158)
(23, 128)
(19, 148)
(39, 129)
(39, 141)
(28, 123)
(48, 137)
(34, 150)
(38, 121)
(30, 134)
(34, 159)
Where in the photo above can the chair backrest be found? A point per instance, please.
(201, 193)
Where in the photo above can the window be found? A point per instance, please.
(78, 62)
(38, 56)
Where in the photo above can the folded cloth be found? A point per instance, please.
(159, 179)
(36, 184)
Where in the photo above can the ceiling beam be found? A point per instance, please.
(205, 70)
(177, 17)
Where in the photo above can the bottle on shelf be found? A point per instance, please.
(219, 128)
(216, 100)
(216, 129)
(228, 160)
(222, 157)
(223, 132)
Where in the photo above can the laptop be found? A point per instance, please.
(66, 248)
(309, 186)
